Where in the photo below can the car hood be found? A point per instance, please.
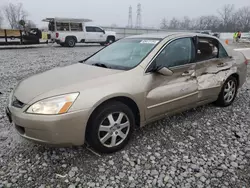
(57, 78)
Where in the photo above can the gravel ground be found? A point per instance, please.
(203, 147)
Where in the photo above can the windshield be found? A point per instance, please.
(124, 54)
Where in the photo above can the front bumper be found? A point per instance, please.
(66, 129)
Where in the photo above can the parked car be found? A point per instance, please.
(209, 33)
(69, 31)
(127, 84)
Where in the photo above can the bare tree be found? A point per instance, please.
(208, 23)
(13, 14)
(228, 20)
(185, 23)
(164, 24)
(174, 24)
(242, 19)
(226, 14)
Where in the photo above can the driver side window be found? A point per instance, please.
(97, 29)
(177, 53)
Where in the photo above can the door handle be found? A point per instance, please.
(221, 65)
(188, 73)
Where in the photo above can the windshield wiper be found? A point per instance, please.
(100, 65)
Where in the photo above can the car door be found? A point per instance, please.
(99, 35)
(90, 34)
(166, 94)
(212, 61)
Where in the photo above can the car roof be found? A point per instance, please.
(173, 35)
(163, 35)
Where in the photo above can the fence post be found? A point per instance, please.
(21, 37)
(5, 36)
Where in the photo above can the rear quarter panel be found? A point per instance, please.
(241, 56)
(80, 35)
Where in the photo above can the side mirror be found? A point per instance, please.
(103, 31)
(159, 69)
(165, 71)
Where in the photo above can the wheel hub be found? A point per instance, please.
(229, 91)
(116, 131)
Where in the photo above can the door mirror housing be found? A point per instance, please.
(160, 69)
(103, 31)
(165, 71)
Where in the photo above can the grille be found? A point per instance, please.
(16, 103)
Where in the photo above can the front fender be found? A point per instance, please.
(90, 99)
(93, 97)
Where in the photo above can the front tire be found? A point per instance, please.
(110, 40)
(110, 127)
(228, 92)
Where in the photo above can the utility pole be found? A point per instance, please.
(130, 20)
(138, 18)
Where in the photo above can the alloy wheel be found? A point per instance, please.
(114, 129)
(229, 91)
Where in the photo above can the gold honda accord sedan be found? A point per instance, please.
(132, 82)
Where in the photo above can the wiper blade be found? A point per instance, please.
(100, 65)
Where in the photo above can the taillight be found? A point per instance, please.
(57, 35)
(246, 62)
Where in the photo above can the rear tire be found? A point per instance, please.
(228, 92)
(70, 42)
(110, 127)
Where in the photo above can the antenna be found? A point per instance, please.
(130, 20)
(138, 18)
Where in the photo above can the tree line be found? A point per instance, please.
(228, 19)
(16, 16)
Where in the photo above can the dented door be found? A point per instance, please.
(168, 93)
(211, 75)
(165, 94)
(213, 67)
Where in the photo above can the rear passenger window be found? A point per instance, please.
(206, 49)
(209, 48)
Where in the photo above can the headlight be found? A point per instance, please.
(54, 105)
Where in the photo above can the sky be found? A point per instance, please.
(108, 12)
